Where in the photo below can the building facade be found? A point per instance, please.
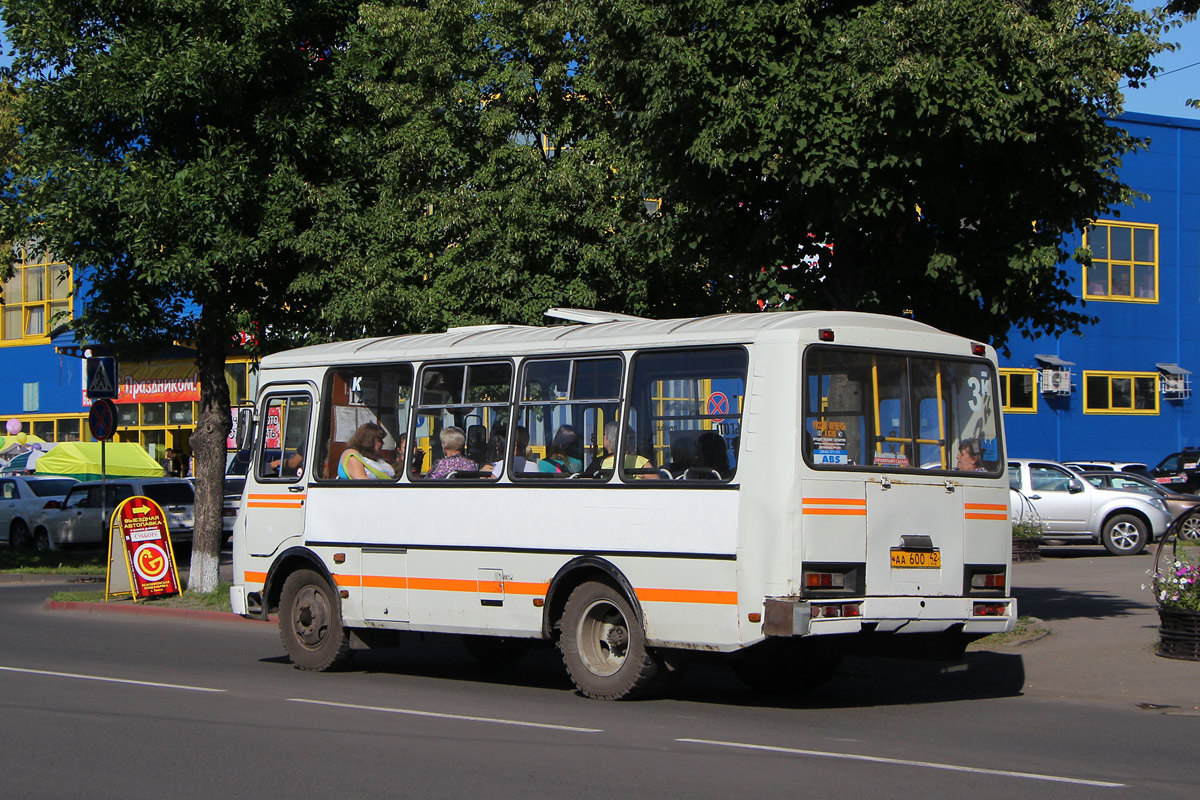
(1122, 390)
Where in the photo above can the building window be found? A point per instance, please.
(1120, 392)
(1018, 391)
(1124, 262)
(38, 291)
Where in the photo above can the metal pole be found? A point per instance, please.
(103, 487)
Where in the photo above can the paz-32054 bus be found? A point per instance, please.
(781, 488)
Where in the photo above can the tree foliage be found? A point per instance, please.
(499, 192)
(169, 152)
(944, 148)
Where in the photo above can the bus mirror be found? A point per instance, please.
(245, 428)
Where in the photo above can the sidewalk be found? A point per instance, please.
(1103, 629)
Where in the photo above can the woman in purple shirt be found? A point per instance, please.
(453, 440)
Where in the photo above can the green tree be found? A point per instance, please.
(499, 192)
(944, 148)
(171, 154)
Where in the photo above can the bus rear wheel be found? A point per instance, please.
(310, 623)
(603, 645)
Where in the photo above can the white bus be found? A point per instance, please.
(785, 488)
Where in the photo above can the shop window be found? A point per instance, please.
(36, 298)
(1120, 392)
(1124, 262)
(127, 415)
(1018, 391)
(153, 414)
(180, 413)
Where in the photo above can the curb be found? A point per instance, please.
(179, 613)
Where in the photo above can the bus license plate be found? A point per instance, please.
(916, 559)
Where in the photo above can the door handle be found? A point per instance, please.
(295, 488)
(1035, 497)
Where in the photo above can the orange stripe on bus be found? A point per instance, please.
(261, 504)
(276, 496)
(384, 582)
(443, 585)
(838, 501)
(254, 577)
(986, 506)
(707, 596)
(534, 589)
(987, 516)
(851, 512)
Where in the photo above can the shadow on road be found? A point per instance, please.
(1057, 604)
(861, 682)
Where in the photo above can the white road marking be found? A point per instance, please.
(905, 762)
(109, 680)
(414, 713)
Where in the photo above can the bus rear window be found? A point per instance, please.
(885, 410)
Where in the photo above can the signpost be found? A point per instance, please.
(102, 420)
(139, 528)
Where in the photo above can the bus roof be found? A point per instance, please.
(495, 340)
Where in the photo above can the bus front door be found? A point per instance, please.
(277, 485)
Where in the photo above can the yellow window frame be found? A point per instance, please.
(1115, 376)
(1006, 375)
(1134, 264)
(55, 296)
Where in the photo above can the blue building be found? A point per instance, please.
(1122, 390)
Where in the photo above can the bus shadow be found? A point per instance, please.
(861, 682)
(867, 682)
(1048, 603)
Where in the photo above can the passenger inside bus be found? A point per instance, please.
(634, 463)
(362, 459)
(968, 456)
(561, 454)
(453, 440)
(415, 460)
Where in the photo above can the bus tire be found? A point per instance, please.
(310, 623)
(786, 666)
(1124, 535)
(603, 645)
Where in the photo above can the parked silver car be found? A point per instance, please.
(1073, 510)
(23, 497)
(82, 519)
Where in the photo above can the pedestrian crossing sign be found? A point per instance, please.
(102, 378)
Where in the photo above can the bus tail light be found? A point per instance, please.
(834, 610)
(989, 609)
(824, 580)
(988, 580)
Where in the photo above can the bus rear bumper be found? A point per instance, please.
(793, 616)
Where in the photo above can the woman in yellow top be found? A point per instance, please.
(361, 460)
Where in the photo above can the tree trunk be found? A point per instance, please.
(208, 446)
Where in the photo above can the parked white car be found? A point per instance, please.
(1073, 510)
(22, 497)
(82, 519)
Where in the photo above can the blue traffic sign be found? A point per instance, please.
(102, 378)
(102, 419)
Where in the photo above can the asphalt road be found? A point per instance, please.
(100, 706)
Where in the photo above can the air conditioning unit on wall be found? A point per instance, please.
(1056, 381)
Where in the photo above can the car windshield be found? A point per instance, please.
(170, 494)
(54, 486)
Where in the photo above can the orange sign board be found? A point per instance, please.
(140, 526)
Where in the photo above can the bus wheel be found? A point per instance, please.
(786, 666)
(1124, 535)
(496, 650)
(310, 623)
(603, 645)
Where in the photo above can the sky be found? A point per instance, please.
(1166, 95)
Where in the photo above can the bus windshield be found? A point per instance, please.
(888, 410)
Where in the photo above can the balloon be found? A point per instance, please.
(13, 427)
(21, 437)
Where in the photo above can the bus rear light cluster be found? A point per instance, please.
(832, 610)
(988, 580)
(824, 580)
(989, 609)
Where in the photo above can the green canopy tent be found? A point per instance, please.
(81, 460)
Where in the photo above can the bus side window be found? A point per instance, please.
(686, 412)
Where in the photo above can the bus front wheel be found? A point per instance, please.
(310, 623)
(603, 645)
